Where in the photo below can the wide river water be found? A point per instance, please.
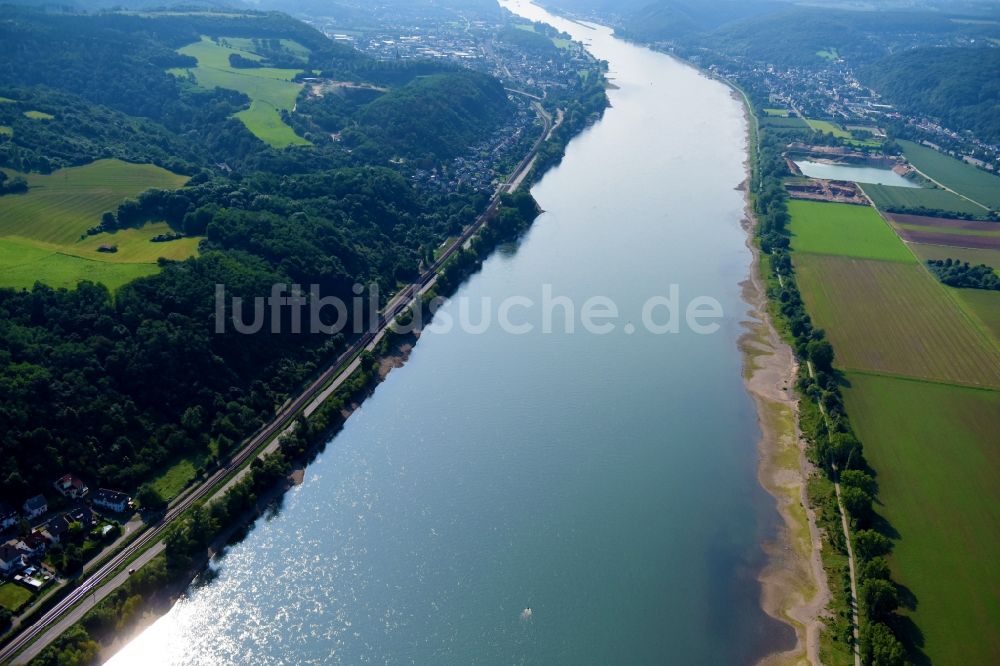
(606, 482)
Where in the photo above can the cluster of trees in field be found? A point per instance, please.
(15, 185)
(834, 445)
(955, 273)
(957, 85)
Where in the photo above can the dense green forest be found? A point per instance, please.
(114, 387)
(435, 116)
(958, 86)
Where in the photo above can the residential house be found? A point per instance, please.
(112, 500)
(8, 516)
(56, 528)
(11, 559)
(82, 515)
(71, 486)
(35, 507)
(32, 545)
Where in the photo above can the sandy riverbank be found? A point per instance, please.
(793, 583)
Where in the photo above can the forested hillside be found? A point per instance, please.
(434, 116)
(114, 387)
(671, 19)
(958, 86)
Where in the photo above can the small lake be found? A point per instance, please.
(857, 174)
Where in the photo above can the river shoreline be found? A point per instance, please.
(793, 582)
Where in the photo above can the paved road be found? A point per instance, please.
(67, 620)
(100, 583)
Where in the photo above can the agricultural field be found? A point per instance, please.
(888, 197)
(836, 130)
(22, 265)
(830, 54)
(937, 456)
(777, 113)
(972, 255)
(955, 233)
(43, 234)
(829, 128)
(6, 131)
(61, 206)
(895, 318)
(955, 174)
(38, 115)
(841, 229)
(983, 307)
(271, 90)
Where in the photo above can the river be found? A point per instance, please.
(606, 482)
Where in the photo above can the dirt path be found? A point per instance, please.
(852, 567)
(851, 563)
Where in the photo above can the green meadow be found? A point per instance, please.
(43, 234)
(13, 596)
(983, 306)
(175, 478)
(271, 90)
(23, 264)
(842, 229)
(955, 174)
(836, 130)
(38, 115)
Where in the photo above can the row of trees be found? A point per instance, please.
(835, 447)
